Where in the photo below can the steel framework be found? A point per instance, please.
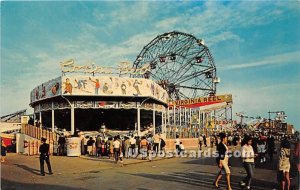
(181, 64)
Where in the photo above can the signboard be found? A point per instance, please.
(202, 101)
(73, 146)
(99, 86)
(124, 67)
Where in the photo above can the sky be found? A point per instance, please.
(255, 45)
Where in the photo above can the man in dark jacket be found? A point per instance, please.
(44, 156)
(270, 146)
(61, 143)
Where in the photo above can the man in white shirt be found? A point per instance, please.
(156, 138)
(132, 141)
(117, 148)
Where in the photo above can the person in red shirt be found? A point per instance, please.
(97, 85)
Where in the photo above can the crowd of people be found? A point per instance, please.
(255, 147)
(117, 147)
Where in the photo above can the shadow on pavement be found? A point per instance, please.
(13, 185)
(24, 167)
(205, 180)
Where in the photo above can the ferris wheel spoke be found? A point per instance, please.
(185, 68)
(201, 82)
(193, 75)
(193, 88)
(156, 77)
(182, 95)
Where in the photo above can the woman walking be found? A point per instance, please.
(3, 151)
(222, 161)
(248, 161)
(284, 164)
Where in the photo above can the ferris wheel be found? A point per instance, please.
(181, 64)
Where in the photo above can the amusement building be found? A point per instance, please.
(171, 83)
(170, 88)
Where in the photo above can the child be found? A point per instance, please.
(121, 159)
(181, 148)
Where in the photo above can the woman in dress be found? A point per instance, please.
(284, 164)
(222, 161)
(3, 151)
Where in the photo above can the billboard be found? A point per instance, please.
(202, 101)
(99, 86)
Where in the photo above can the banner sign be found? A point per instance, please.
(99, 86)
(123, 68)
(202, 101)
(225, 122)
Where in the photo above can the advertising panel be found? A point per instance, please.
(202, 101)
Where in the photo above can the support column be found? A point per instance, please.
(168, 115)
(165, 125)
(180, 115)
(153, 119)
(72, 119)
(34, 117)
(190, 114)
(40, 117)
(53, 124)
(138, 121)
(174, 115)
(40, 121)
(231, 117)
(213, 122)
(185, 115)
(162, 122)
(199, 118)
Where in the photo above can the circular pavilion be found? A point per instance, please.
(87, 101)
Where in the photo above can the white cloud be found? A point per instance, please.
(168, 23)
(281, 59)
(224, 36)
(123, 13)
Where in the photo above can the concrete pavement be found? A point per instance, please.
(22, 172)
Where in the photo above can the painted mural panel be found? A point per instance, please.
(98, 86)
(46, 90)
(112, 86)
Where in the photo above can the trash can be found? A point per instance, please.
(73, 146)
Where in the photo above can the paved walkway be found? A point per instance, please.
(22, 172)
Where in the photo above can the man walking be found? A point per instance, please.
(270, 146)
(44, 156)
(61, 145)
